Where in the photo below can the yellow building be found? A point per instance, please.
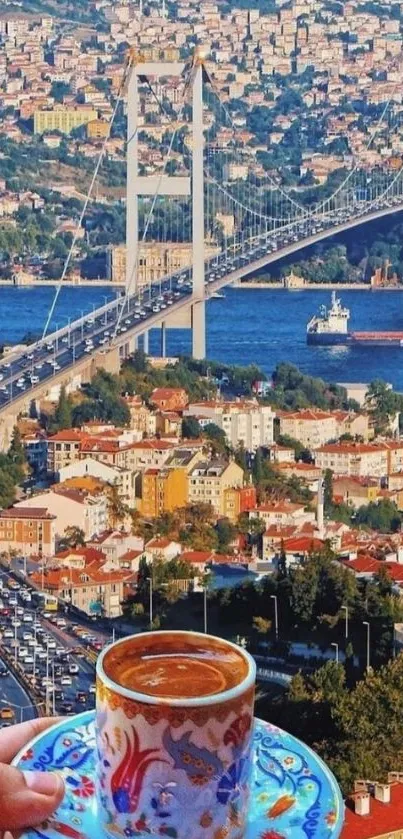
(163, 490)
(208, 482)
(63, 119)
(97, 129)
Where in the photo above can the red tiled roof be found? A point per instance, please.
(26, 513)
(303, 544)
(197, 557)
(152, 445)
(68, 436)
(89, 554)
(383, 819)
(158, 543)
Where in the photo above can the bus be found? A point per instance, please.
(44, 601)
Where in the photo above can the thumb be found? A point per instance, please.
(27, 798)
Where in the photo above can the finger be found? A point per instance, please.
(13, 739)
(27, 798)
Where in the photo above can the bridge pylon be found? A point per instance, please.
(168, 185)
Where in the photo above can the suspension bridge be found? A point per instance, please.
(235, 225)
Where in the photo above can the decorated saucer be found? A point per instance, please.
(293, 793)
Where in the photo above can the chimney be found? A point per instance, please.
(400, 555)
(382, 793)
(362, 803)
(360, 785)
(320, 509)
(393, 777)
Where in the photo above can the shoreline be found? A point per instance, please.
(316, 287)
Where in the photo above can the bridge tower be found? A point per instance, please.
(168, 185)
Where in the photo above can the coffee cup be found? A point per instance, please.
(174, 724)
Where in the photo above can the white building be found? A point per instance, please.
(244, 422)
(124, 479)
(72, 509)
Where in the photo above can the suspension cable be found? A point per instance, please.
(88, 198)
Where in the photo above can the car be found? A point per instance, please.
(92, 688)
(27, 636)
(8, 633)
(16, 623)
(73, 669)
(61, 623)
(23, 652)
(6, 713)
(27, 618)
(29, 661)
(51, 644)
(66, 680)
(81, 697)
(3, 670)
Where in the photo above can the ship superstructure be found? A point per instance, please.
(330, 326)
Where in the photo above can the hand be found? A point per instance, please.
(26, 798)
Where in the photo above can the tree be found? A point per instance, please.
(226, 533)
(63, 416)
(383, 516)
(328, 490)
(216, 437)
(73, 537)
(117, 509)
(16, 452)
(191, 428)
(261, 625)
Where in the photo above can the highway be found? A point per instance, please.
(114, 323)
(57, 654)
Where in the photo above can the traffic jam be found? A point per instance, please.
(57, 656)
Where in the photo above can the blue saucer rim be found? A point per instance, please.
(86, 717)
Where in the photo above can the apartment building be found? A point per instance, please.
(63, 449)
(359, 460)
(244, 422)
(314, 428)
(169, 398)
(30, 532)
(123, 479)
(94, 590)
(208, 482)
(63, 119)
(282, 513)
(163, 490)
(238, 500)
(71, 508)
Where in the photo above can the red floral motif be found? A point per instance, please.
(271, 834)
(153, 714)
(331, 817)
(239, 728)
(28, 754)
(86, 788)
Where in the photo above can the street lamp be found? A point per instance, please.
(150, 580)
(274, 597)
(345, 609)
(336, 647)
(106, 310)
(366, 623)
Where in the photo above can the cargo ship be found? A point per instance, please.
(330, 328)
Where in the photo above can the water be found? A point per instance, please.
(250, 326)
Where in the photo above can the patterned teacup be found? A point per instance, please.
(174, 723)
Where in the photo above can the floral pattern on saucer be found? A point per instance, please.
(294, 794)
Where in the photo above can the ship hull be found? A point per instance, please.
(327, 339)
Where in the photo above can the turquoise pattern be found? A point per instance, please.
(294, 794)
